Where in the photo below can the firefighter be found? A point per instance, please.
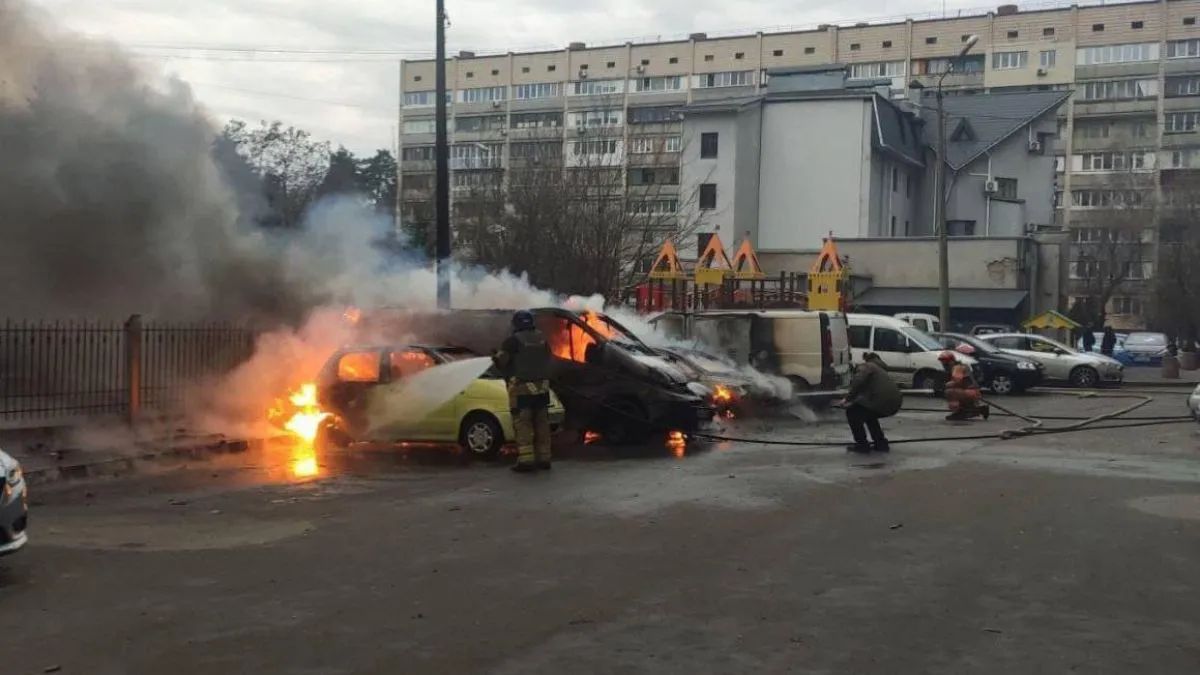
(524, 358)
(961, 390)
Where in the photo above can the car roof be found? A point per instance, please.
(999, 335)
(882, 319)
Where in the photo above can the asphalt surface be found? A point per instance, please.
(1048, 554)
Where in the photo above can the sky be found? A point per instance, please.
(332, 68)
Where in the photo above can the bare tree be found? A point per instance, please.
(290, 162)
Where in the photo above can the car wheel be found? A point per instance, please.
(1085, 376)
(481, 436)
(927, 379)
(331, 437)
(625, 423)
(1002, 384)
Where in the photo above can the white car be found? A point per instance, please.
(909, 354)
(1194, 403)
(14, 505)
(1081, 369)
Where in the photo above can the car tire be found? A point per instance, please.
(928, 379)
(480, 436)
(329, 437)
(1002, 384)
(625, 422)
(1085, 377)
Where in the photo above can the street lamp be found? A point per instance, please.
(939, 187)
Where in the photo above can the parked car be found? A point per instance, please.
(14, 506)
(478, 418)
(609, 380)
(1145, 348)
(1062, 363)
(1002, 373)
(1194, 403)
(910, 355)
(926, 322)
(728, 387)
(809, 348)
(989, 328)
(1119, 352)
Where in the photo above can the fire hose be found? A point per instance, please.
(1036, 425)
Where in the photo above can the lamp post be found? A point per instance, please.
(939, 202)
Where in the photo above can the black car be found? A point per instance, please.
(1000, 372)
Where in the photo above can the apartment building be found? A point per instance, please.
(1133, 70)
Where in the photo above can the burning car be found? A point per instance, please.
(730, 389)
(14, 505)
(477, 417)
(609, 380)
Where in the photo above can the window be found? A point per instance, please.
(476, 155)
(908, 185)
(1013, 342)
(1047, 32)
(1130, 53)
(420, 126)
(495, 71)
(708, 57)
(524, 69)
(1110, 161)
(536, 120)
(1093, 128)
(1060, 164)
(660, 176)
(653, 115)
(1183, 86)
(595, 118)
(931, 40)
(960, 228)
(482, 94)
(708, 196)
(1136, 25)
(596, 148)
(645, 62)
(1095, 198)
(1047, 57)
(777, 52)
(1114, 90)
(421, 99)
(1012, 35)
(597, 87)
(525, 92)
(551, 68)
(1007, 188)
(739, 56)
(866, 71)
(654, 207)
(1058, 199)
(359, 367)
(854, 46)
(1097, 28)
(737, 78)
(973, 63)
(859, 336)
(611, 64)
(889, 340)
(1126, 305)
(1183, 49)
(650, 85)
(892, 231)
(708, 145)
(417, 153)
(673, 144)
(416, 78)
(470, 74)
(475, 123)
(1009, 60)
(673, 59)
(887, 44)
(547, 151)
(1141, 129)
(1180, 122)
(1189, 21)
(810, 50)
(650, 145)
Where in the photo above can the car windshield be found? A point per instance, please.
(923, 339)
(1150, 339)
(1047, 341)
(981, 346)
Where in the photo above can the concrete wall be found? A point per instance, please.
(975, 262)
(811, 184)
(695, 171)
(746, 176)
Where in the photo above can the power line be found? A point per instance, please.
(290, 96)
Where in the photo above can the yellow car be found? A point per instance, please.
(356, 383)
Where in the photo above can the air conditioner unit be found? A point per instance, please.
(1035, 146)
(991, 187)
(1042, 72)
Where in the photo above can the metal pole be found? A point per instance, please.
(939, 183)
(442, 152)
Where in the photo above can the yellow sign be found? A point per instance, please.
(1051, 319)
(827, 279)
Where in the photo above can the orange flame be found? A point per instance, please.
(590, 437)
(677, 443)
(569, 341)
(303, 423)
(722, 395)
(352, 315)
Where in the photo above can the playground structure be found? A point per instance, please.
(716, 282)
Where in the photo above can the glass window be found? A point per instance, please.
(482, 94)
(524, 92)
(408, 362)
(737, 78)
(649, 85)
(597, 87)
(1183, 49)
(1044, 346)
(860, 336)
(1047, 57)
(1009, 60)
(1011, 342)
(653, 115)
(866, 71)
(708, 196)
(566, 339)
(708, 145)
(358, 367)
(536, 120)
(889, 340)
(1128, 53)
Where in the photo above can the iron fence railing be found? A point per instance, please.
(52, 372)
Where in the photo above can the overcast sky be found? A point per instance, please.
(350, 99)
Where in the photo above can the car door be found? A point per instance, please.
(1058, 365)
(1018, 345)
(427, 417)
(893, 348)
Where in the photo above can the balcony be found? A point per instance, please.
(952, 81)
(485, 162)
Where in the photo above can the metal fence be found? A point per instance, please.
(56, 372)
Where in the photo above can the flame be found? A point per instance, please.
(677, 443)
(303, 423)
(590, 437)
(569, 341)
(722, 395)
(352, 315)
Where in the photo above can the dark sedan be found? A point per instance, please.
(1000, 372)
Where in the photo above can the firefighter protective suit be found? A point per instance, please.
(525, 360)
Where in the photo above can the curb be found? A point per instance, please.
(118, 466)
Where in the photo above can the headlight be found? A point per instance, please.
(1026, 365)
(14, 476)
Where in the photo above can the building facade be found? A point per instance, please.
(1133, 68)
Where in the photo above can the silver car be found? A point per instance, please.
(1194, 403)
(1082, 369)
(14, 506)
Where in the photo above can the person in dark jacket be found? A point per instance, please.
(525, 360)
(1109, 342)
(1089, 338)
(872, 396)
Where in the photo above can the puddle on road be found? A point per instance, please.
(1186, 507)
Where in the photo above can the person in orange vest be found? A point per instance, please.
(961, 390)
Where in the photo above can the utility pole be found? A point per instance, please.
(442, 156)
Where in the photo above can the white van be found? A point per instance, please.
(910, 355)
(925, 322)
(810, 348)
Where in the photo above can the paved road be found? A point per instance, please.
(1068, 553)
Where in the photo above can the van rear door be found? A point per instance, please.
(838, 349)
